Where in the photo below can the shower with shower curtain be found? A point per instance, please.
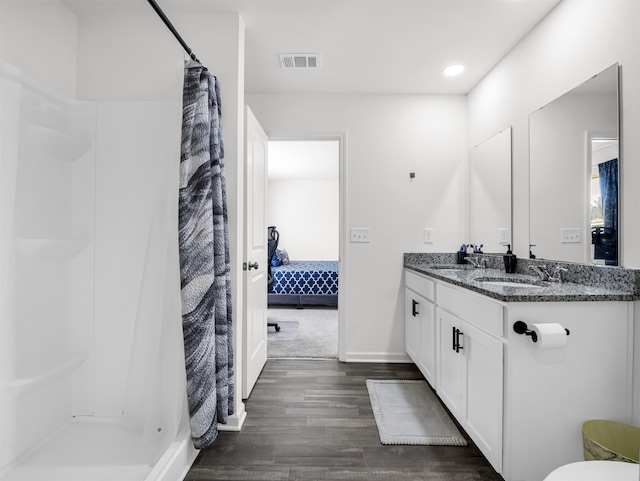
(92, 367)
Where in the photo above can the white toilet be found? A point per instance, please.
(596, 471)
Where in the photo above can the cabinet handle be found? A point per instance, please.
(414, 304)
(453, 336)
(458, 334)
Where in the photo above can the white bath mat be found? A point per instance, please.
(408, 412)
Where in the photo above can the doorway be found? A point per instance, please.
(604, 199)
(303, 205)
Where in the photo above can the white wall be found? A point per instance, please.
(387, 138)
(306, 214)
(577, 40)
(303, 197)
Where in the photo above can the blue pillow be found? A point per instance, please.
(280, 257)
(275, 260)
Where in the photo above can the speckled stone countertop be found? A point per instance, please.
(583, 282)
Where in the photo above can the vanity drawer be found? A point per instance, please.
(420, 284)
(473, 308)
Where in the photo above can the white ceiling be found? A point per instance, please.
(367, 46)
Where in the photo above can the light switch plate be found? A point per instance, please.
(360, 234)
(428, 234)
(570, 235)
(504, 236)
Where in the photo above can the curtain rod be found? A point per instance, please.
(170, 26)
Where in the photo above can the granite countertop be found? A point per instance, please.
(519, 287)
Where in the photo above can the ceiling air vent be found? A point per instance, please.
(299, 60)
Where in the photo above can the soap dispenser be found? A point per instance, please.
(510, 260)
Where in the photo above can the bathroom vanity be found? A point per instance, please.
(521, 402)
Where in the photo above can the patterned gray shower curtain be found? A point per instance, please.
(204, 258)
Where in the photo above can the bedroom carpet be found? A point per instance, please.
(306, 333)
(408, 412)
(288, 331)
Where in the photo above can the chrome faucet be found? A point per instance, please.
(476, 262)
(558, 274)
(545, 275)
(542, 272)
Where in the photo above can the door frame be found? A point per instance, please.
(341, 137)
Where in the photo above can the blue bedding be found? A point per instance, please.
(306, 277)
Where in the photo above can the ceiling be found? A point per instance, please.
(366, 46)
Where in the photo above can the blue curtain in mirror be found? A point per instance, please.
(606, 243)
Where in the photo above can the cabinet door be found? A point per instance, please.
(420, 333)
(412, 325)
(427, 355)
(483, 404)
(450, 364)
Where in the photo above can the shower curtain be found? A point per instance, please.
(204, 258)
(607, 246)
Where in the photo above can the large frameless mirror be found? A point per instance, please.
(490, 192)
(574, 174)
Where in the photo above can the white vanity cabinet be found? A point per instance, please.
(420, 324)
(523, 405)
(470, 365)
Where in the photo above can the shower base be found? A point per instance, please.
(90, 449)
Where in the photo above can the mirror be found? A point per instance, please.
(490, 193)
(573, 168)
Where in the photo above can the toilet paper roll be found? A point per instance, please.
(549, 336)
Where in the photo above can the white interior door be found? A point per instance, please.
(255, 254)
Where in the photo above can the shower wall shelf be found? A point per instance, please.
(56, 143)
(51, 249)
(43, 373)
(57, 114)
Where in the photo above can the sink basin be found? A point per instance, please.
(517, 283)
(450, 268)
(511, 284)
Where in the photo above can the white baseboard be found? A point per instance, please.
(235, 421)
(379, 357)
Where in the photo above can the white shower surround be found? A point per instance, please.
(92, 357)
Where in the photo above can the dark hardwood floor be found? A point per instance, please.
(312, 421)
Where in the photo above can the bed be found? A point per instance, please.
(301, 283)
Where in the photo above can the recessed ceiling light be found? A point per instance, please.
(453, 70)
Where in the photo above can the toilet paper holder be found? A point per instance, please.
(521, 327)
